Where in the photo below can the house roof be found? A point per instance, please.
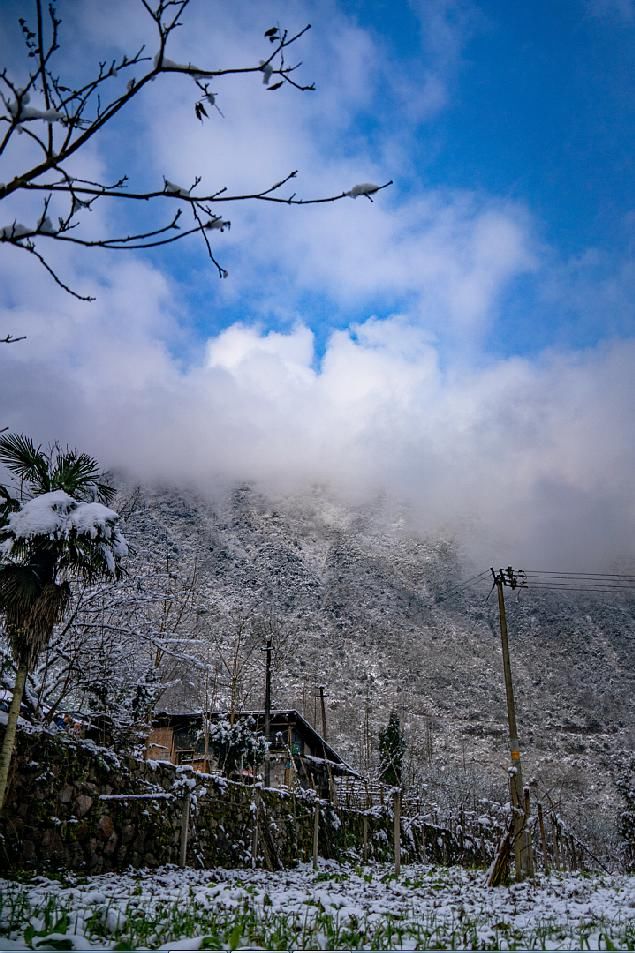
(285, 715)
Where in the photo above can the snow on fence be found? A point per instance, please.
(553, 844)
(137, 797)
(76, 805)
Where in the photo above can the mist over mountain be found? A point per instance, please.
(529, 456)
(371, 609)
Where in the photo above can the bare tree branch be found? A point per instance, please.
(58, 281)
(74, 115)
(42, 61)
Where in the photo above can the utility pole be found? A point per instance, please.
(321, 690)
(268, 650)
(367, 741)
(206, 723)
(522, 851)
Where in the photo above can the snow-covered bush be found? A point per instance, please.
(236, 745)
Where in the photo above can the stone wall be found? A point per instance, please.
(74, 805)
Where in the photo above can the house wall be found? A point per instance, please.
(160, 745)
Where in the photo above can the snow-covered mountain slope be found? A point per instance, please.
(371, 611)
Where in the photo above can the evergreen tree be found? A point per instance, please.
(392, 747)
(625, 783)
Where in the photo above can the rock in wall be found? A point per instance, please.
(74, 805)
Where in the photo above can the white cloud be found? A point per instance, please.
(538, 453)
(455, 254)
(535, 453)
(237, 344)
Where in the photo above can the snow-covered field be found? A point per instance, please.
(337, 907)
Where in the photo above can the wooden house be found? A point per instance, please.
(296, 751)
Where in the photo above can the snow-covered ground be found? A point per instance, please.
(337, 907)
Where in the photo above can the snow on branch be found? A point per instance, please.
(60, 118)
(366, 188)
(20, 111)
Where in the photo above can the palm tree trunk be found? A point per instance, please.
(8, 743)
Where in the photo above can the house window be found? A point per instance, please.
(185, 740)
(277, 741)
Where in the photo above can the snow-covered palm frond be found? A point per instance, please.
(81, 538)
(61, 531)
(8, 504)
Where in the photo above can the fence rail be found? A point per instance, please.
(361, 795)
(553, 845)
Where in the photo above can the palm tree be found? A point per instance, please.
(55, 526)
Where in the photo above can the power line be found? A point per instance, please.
(580, 575)
(557, 580)
(472, 578)
(480, 579)
(554, 588)
(581, 582)
(466, 583)
(592, 582)
(552, 580)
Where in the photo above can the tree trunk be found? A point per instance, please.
(8, 743)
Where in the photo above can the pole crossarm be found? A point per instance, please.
(515, 579)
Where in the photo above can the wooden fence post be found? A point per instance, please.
(527, 841)
(365, 824)
(499, 867)
(543, 839)
(185, 827)
(397, 830)
(316, 832)
(574, 855)
(294, 801)
(254, 833)
(556, 844)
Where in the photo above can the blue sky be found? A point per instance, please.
(541, 111)
(469, 335)
(544, 111)
(538, 109)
